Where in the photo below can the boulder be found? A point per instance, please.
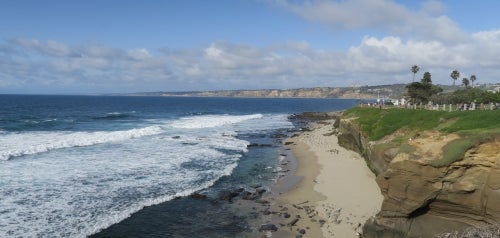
(198, 196)
(229, 195)
(268, 227)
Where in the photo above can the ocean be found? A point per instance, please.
(112, 166)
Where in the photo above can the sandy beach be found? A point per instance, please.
(329, 191)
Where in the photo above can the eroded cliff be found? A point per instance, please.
(426, 193)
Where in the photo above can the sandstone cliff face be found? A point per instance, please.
(422, 200)
(352, 138)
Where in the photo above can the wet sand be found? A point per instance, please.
(328, 192)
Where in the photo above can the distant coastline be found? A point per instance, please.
(390, 91)
(355, 92)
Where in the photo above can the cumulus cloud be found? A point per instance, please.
(434, 8)
(302, 46)
(226, 65)
(49, 48)
(29, 62)
(427, 23)
(348, 14)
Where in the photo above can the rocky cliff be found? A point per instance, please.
(423, 198)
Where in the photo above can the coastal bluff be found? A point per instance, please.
(426, 193)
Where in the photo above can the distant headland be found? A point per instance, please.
(390, 91)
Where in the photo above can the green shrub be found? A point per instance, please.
(454, 151)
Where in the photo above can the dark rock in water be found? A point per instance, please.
(253, 194)
(229, 195)
(279, 135)
(288, 143)
(268, 227)
(176, 137)
(304, 129)
(189, 143)
(260, 190)
(250, 196)
(315, 116)
(198, 196)
(259, 145)
(261, 201)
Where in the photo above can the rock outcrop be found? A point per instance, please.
(422, 199)
(317, 116)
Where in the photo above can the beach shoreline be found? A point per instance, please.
(328, 190)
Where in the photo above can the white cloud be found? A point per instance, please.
(139, 54)
(49, 48)
(302, 46)
(348, 14)
(388, 15)
(224, 65)
(434, 7)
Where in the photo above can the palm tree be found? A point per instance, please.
(472, 79)
(465, 82)
(414, 70)
(455, 75)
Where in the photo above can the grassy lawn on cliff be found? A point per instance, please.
(474, 127)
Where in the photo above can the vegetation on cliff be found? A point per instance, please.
(474, 127)
(439, 171)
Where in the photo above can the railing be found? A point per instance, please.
(437, 107)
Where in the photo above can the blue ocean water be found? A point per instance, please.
(71, 166)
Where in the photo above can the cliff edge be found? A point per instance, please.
(438, 171)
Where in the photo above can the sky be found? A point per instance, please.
(124, 46)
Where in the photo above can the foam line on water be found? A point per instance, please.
(29, 143)
(210, 121)
(75, 195)
(78, 192)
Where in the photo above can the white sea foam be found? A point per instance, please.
(107, 176)
(267, 122)
(28, 143)
(209, 121)
(79, 192)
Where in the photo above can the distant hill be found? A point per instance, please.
(392, 91)
(361, 92)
